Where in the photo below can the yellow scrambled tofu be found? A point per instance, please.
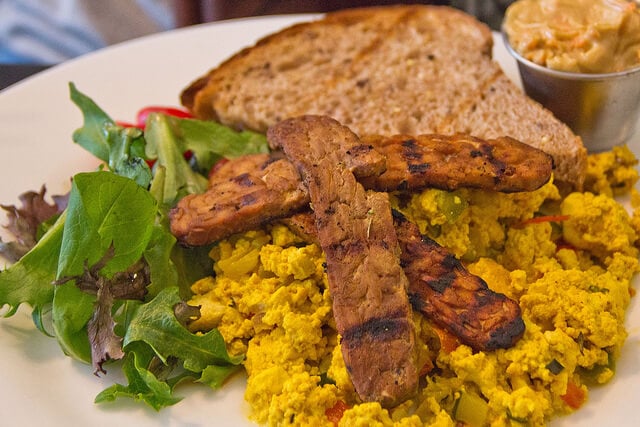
(568, 261)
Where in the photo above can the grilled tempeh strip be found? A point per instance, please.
(269, 188)
(449, 162)
(243, 194)
(367, 284)
(445, 292)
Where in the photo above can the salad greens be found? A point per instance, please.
(104, 275)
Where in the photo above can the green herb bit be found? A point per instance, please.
(519, 420)
(595, 289)
(555, 367)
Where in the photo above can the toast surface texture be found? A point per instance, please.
(384, 70)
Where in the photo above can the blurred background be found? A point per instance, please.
(35, 34)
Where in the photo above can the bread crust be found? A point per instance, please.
(409, 69)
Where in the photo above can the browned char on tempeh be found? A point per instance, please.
(355, 230)
(445, 292)
(243, 194)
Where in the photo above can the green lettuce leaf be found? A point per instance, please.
(179, 178)
(215, 375)
(161, 353)
(192, 264)
(93, 135)
(105, 209)
(155, 324)
(71, 311)
(159, 256)
(210, 141)
(124, 144)
(30, 280)
(143, 385)
(121, 148)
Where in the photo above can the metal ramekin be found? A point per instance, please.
(603, 109)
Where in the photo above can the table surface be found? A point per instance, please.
(13, 73)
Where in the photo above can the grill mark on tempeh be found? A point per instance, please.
(376, 329)
(243, 180)
(442, 283)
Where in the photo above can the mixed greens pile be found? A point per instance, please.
(101, 270)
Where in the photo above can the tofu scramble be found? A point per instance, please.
(568, 261)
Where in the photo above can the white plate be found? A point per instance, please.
(41, 386)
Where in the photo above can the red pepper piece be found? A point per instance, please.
(574, 396)
(335, 413)
(143, 114)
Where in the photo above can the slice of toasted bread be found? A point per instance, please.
(385, 70)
